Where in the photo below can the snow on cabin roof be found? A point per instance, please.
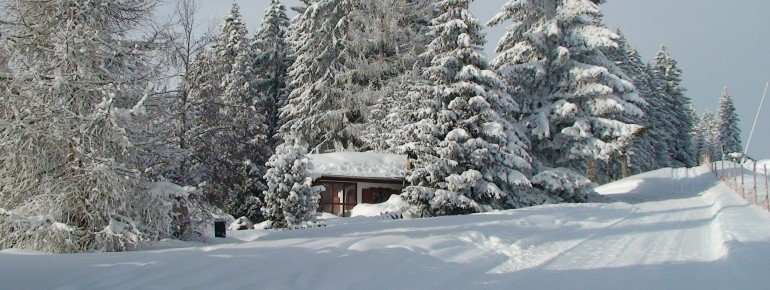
(358, 164)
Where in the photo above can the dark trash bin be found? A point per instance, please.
(220, 229)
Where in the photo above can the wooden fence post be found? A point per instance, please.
(767, 190)
(723, 169)
(756, 195)
(743, 184)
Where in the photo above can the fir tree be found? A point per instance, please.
(698, 135)
(318, 109)
(231, 139)
(708, 125)
(678, 107)
(573, 97)
(728, 124)
(290, 199)
(643, 154)
(244, 140)
(469, 155)
(346, 54)
(657, 113)
(271, 62)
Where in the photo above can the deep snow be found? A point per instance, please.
(671, 229)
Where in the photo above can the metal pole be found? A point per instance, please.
(746, 151)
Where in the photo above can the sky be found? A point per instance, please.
(717, 43)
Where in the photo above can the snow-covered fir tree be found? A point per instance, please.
(345, 53)
(573, 97)
(678, 107)
(243, 131)
(271, 62)
(203, 84)
(318, 109)
(643, 152)
(708, 126)
(244, 140)
(402, 41)
(698, 136)
(469, 156)
(728, 124)
(231, 142)
(291, 199)
(658, 115)
(70, 180)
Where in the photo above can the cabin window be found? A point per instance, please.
(338, 198)
(377, 195)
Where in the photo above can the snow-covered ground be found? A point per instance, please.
(671, 229)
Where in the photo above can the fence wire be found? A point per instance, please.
(747, 179)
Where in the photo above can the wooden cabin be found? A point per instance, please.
(353, 178)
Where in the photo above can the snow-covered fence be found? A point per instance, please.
(746, 179)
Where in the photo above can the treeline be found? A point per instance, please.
(117, 130)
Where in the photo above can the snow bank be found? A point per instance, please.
(358, 164)
(394, 204)
(762, 164)
(241, 223)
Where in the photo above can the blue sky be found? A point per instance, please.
(718, 43)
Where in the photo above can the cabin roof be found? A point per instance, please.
(358, 165)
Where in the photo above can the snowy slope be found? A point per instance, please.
(673, 229)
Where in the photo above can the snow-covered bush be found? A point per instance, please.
(291, 199)
(189, 216)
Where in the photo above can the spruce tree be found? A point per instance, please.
(728, 124)
(70, 179)
(643, 154)
(347, 54)
(708, 125)
(271, 63)
(318, 109)
(470, 157)
(573, 97)
(290, 199)
(678, 108)
(698, 136)
(231, 141)
(657, 113)
(243, 139)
